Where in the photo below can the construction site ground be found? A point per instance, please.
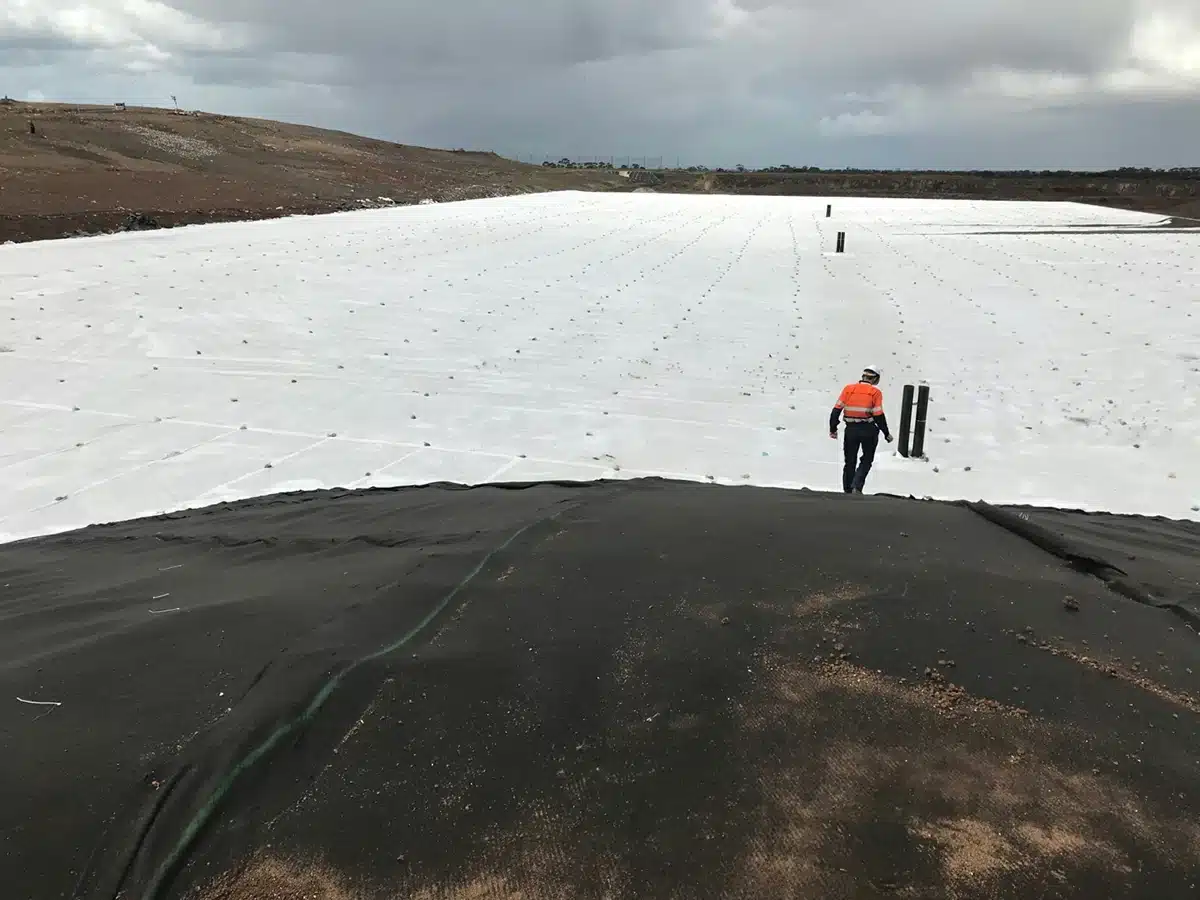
(69, 170)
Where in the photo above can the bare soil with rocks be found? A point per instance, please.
(67, 170)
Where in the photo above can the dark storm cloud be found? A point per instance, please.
(856, 42)
(867, 82)
(932, 42)
(479, 35)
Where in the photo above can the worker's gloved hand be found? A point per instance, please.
(888, 438)
(833, 434)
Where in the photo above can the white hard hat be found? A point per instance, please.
(874, 370)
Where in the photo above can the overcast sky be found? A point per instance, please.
(868, 83)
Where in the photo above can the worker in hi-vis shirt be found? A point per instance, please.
(861, 405)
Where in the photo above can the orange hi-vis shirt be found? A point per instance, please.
(860, 402)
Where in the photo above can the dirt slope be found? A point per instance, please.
(88, 167)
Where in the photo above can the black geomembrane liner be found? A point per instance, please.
(611, 689)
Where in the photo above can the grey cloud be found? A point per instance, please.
(860, 43)
(479, 34)
(716, 81)
(34, 50)
(251, 70)
(869, 43)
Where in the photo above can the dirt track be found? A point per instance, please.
(87, 169)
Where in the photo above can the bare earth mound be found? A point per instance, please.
(87, 168)
(610, 690)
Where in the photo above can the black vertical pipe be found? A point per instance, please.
(918, 448)
(906, 411)
(828, 210)
(841, 242)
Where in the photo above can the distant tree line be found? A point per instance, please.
(565, 163)
(1123, 172)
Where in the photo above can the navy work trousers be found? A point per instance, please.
(862, 438)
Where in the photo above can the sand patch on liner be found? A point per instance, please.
(272, 878)
(974, 797)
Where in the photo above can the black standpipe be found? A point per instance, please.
(918, 447)
(906, 405)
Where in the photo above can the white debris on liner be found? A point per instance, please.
(584, 336)
(168, 141)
